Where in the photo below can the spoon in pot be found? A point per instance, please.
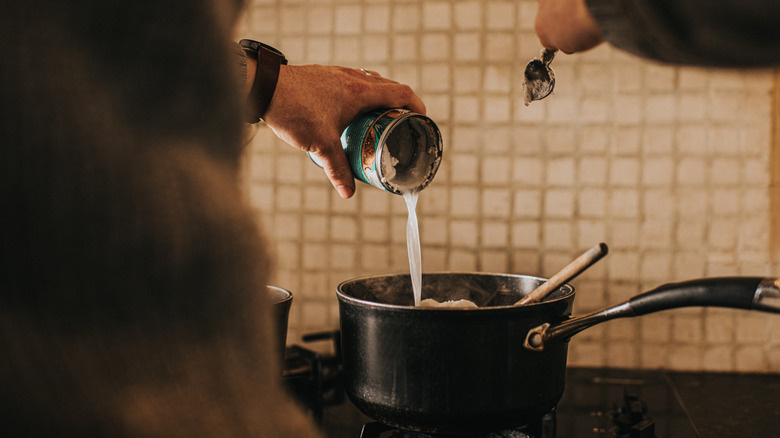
(573, 269)
(539, 78)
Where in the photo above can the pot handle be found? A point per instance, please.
(752, 293)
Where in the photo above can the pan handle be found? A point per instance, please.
(753, 293)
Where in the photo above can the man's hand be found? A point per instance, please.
(566, 25)
(313, 105)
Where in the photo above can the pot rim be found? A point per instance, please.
(278, 294)
(342, 296)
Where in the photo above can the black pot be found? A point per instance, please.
(471, 371)
(282, 301)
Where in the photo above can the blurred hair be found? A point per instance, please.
(132, 273)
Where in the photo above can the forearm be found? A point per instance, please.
(727, 33)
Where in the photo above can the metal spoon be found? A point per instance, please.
(573, 269)
(539, 78)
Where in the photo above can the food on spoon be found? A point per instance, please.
(465, 304)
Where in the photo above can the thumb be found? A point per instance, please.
(336, 166)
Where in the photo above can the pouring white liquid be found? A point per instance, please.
(415, 259)
(413, 244)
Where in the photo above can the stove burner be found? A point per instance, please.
(314, 379)
(544, 428)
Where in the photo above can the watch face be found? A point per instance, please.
(255, 46)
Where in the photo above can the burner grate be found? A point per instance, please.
(314, 379)
(544, 428)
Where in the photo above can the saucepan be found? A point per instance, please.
(474, 371)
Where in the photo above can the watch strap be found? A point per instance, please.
(264, 86)
(269, 62)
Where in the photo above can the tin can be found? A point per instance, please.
(392, 149)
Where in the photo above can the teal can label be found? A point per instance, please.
(393, 149)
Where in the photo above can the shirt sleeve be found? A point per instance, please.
(720, 33)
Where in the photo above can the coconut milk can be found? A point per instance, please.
(393, 149)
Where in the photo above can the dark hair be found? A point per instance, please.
(132, 273)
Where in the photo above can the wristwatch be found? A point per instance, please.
(269, 61)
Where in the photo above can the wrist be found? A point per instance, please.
(250, 70)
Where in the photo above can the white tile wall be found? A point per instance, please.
(669, 166)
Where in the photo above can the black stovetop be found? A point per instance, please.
(678, 404)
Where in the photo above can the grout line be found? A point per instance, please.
(774, 185)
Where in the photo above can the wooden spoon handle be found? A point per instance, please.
(566, 274)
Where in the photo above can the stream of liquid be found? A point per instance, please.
(413, 244)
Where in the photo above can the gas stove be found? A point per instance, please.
(597, 403)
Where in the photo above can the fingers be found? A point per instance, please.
(395, 96)
(334, 163)
(388, 93)
(540, 27)
(415, 104)
(566, 25)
